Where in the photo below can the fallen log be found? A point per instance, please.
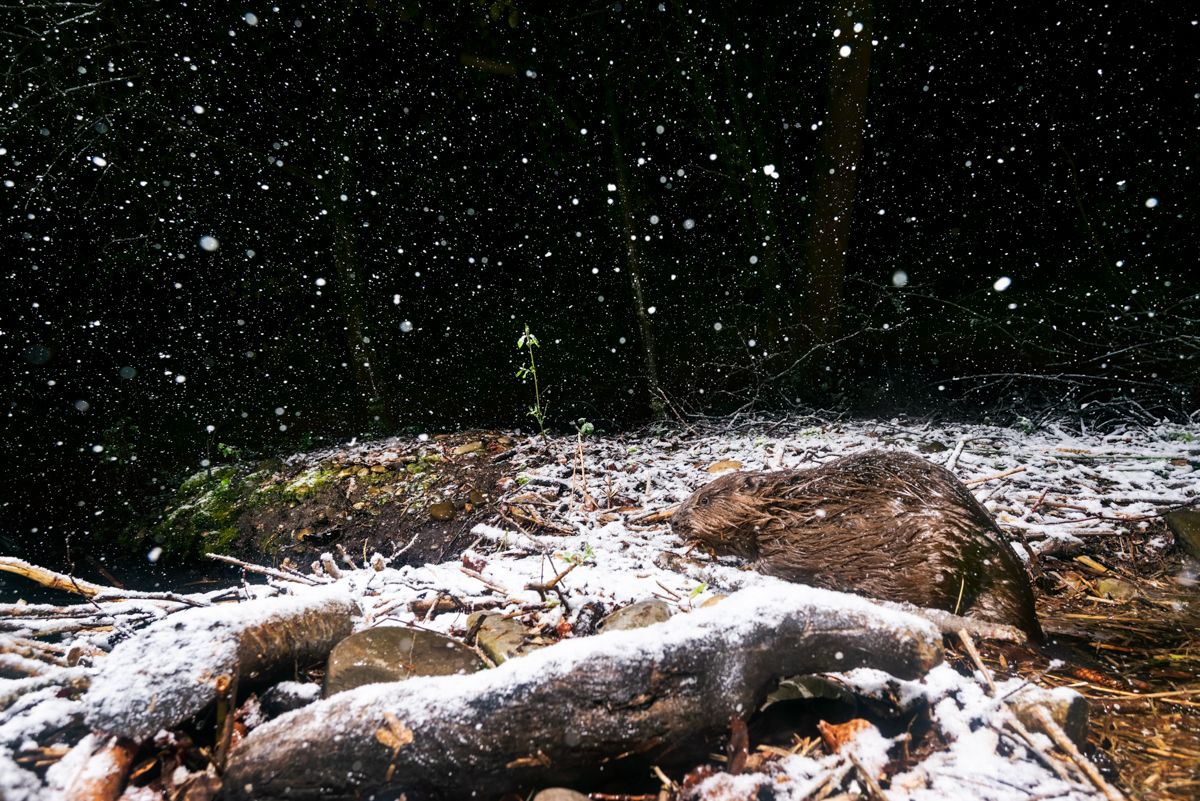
(577, 705)
(178, 666)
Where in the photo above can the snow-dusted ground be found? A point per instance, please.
(1045, 486)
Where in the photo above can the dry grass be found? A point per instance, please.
(1136, 660)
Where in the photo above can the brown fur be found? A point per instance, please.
(888, 525)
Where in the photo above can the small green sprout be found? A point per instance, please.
(528, 342)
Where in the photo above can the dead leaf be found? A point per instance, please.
(838, 735)
(393, 734)
(723, 465)
(538, 760)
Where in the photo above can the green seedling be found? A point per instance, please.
(528, 342)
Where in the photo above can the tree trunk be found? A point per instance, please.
(836, 179)
(633, 256)
(363, 354)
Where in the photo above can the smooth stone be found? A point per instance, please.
(559, 794)
(1115, 588)
(636, 616)
(391, 653)
(441, 510)
(501, 638)
(1185, 525)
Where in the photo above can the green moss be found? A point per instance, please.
(202, 516)
(307, 483)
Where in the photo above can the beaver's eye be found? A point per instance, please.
(705, 500)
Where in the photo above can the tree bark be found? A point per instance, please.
(566, 710)
(633, 259)
(837, 177)
(363, 353)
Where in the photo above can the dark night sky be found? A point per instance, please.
(461, 156)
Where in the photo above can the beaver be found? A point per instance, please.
(888, 525)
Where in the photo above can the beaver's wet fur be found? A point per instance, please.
(888, 525)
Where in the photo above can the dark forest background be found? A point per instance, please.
(229, 228)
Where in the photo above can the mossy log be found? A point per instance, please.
(575, 707)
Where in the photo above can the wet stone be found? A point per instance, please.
(441, 510)
(501, 638)
(1185, 525)
(559, 794)
(636, 616)
(1115, 588)
(391, 653)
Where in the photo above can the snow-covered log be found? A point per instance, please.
(174, 668)
(575, 706)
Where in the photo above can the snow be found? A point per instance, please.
(1069, 482)
(166, 673)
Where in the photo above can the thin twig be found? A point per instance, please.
(969, 645)
(266, 571)
(972, 482)
(1060, 738)
(958, 449)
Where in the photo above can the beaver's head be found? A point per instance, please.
(721, 514)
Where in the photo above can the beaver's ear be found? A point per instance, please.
(752, 482)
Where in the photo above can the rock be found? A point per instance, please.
(559, 794)
(1115, 588)
(391, 653)
(441, 510)
(468, 447)
(476, 497)
(501, 638)
(378, 468)
(1185, 525)
(636, 616)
